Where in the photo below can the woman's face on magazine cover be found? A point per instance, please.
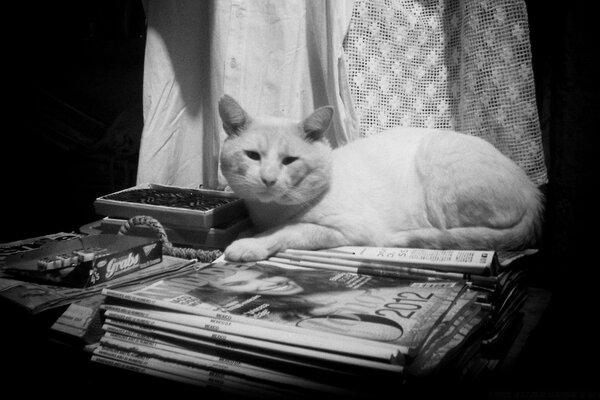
(256, 282)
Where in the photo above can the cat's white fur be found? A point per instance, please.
(406, 187)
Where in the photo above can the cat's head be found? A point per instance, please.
(274, 159)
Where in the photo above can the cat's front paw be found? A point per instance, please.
(248, 249)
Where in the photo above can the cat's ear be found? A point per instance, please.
(316, 124)
(233, 116)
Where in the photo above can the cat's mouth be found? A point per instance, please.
(294, 194)
(276, 195)
(267, 194)
(265, 197)
(291, 193)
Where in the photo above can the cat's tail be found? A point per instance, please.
(526, 233)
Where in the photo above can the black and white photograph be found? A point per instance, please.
(300, 198)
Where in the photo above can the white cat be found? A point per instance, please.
(407, 187)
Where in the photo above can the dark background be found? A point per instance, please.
(76, 115)
(74, 119)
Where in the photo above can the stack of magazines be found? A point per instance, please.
(341, 322)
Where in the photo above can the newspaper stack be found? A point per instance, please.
(283, 328)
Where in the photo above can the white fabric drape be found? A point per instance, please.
(463, 65)
(177, 80)
(281, 58)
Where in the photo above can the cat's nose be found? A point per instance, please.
(268, 182)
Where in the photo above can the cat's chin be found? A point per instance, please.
(261, 196)
(278, 198)
(265, 198)
(270, 198)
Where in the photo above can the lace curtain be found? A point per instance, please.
(448, 64)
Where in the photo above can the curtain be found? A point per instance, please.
(177, 93)
(280, 58)
(449, 64)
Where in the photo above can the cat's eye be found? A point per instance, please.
(288, 160)
(253, 155)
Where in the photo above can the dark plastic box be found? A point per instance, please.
(174, 206)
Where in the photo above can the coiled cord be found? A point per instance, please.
(168, 248)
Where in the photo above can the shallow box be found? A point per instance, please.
(123, 255)
(171, 205)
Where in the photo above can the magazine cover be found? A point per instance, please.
(376, 309)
